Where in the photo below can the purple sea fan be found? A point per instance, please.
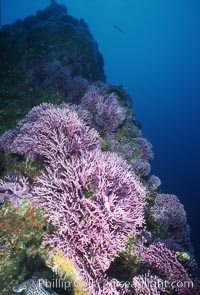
(159, 259)
(169, 212)
(148, 284)
(96, 201)
(14, 188)
(59, 131)
(107, 113)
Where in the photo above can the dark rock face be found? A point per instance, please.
(54, 33)
(51, 35)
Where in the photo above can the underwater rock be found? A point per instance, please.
(51, 36)
(53, 33)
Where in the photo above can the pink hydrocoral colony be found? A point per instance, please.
(144, 148)
(113, 287)
(141, 167)
(108, 115)
(6, 140)
(14, 188)
(57, 78)
(95, 201)
(53, 132)
(77, 88)
(159, 259)
(153, 183)
(169, 213)
(148, 284)
(137, 151)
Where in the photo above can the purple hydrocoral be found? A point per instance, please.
(113, 287)
(148, 284)
(82, 113)
(108, 115)
(95, 201)
(14, 188)
(57, 78)
(169, 213)
(51, 75)
(77, 88)
(6, 140)
(159, 259)
(34, 114)
(186, 257)
(153, 183)
(137, 151)
(35, 70)
(144, 148)
(141, 167)
(55, 131)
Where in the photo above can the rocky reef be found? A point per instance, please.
(80, 212)
(49, 42)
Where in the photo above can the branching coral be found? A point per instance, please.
(95, 201)
(153, 183)
(108, 115)
(113, 287)
(6, 140)
(14, 188)
(169, 213)
(77, 88)
(136, 150)
(141, 167)
(144, 148)
(162, 261)
(55, 78)
(147, 284)
(53, 132)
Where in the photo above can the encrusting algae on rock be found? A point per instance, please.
(65, 270)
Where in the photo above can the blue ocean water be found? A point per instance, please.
(157, 59)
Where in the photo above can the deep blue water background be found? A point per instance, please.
(157, 59)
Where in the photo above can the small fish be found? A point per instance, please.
(33, 286)
(119, 29)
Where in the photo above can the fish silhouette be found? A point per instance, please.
(119, 29)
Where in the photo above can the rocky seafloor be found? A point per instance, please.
(80, 212)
